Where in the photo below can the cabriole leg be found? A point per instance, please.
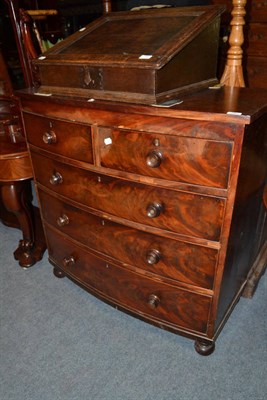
(16, 198)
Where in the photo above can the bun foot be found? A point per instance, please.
(58, 273)
(204, 347)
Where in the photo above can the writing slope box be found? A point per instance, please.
(137, 56)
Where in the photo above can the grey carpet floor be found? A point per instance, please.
(60, 343)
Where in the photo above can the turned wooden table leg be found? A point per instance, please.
(233, 72)
(15, 197)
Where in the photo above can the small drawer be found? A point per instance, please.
(136, 293)
(256, 72)
(173, 259)
(65, 138)
(180, 212)
(185, 159)
(258, 10)
(257, 40)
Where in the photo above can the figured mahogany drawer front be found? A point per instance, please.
(184, 213)
(65, 138)
(192, 160)
(170, 258)
(139, 294)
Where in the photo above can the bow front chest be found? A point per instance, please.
(157, 211)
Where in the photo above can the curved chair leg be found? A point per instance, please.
(16, 199)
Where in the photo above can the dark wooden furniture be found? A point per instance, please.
(16, 207)
(151, 65)
(157, 211)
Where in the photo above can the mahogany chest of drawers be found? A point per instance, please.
(156, 211)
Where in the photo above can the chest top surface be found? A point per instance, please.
(229, 105)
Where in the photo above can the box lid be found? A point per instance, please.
(147, 38)
(140, 56)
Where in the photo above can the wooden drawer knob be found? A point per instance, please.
(49, 137)
(56, 178)
(69, 261)
(153, 210)
(153, 301)
(63, 220)
(154, 159)
(153, 256)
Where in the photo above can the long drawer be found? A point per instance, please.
(150, 299)
(184, 213)
(66, 138)
(186, 159)
(173, 259)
